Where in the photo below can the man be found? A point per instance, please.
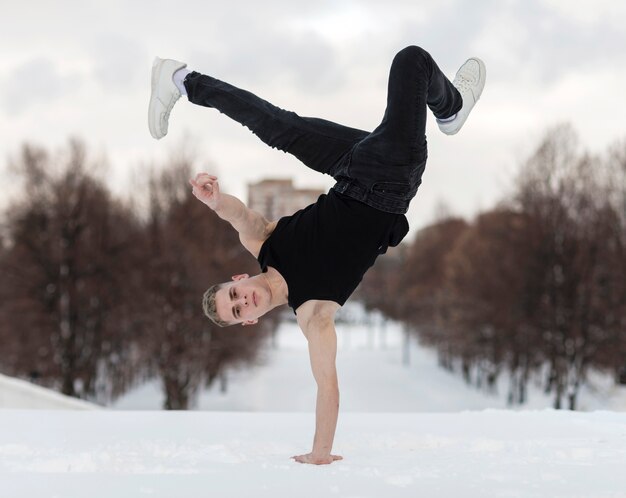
(314, 259)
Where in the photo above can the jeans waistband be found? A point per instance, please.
(353, 188)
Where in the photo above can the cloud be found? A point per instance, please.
(119, 62)
(82, 64)
(537, 41)
(36, 81)
(586, 13)
(278, 54)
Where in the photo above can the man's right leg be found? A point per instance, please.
(320, 144)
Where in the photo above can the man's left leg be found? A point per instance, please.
(388, 164)
(415, 82)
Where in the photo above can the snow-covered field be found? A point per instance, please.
(490, 453)
(17, 393)
(404, 431)
(372, 378)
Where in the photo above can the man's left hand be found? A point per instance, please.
(317, 459)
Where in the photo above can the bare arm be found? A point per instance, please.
(250, 224)
(319, 328)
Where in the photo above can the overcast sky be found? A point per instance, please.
(82, 68)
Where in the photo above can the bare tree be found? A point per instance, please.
(96, 296)
(62, 270)
(490, 299)
(190, 248)
(536, 285)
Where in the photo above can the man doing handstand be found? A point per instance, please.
(314, 259)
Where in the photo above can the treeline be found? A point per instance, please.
(535, 287)
(98, 295)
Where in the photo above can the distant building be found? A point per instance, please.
(274, 198)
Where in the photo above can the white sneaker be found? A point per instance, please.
(164, 95)
(469, 81)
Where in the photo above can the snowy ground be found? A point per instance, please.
(372, 378)
(17, 393)
(403, 430)
(492, 453)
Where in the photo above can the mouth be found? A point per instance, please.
(254, 298)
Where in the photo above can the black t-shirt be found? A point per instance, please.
(323, 250)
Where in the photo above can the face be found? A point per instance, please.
(244, 300)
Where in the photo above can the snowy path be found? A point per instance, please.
(478, 454)
(372, 378)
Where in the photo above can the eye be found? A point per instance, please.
(238, 313)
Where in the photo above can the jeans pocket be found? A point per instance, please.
(399, 189)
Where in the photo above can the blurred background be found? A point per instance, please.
(509, 291)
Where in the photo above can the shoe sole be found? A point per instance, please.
(152, 119)
(483, 72)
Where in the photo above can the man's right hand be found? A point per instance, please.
(206, 189)
(252, 226)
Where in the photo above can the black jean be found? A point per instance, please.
(382, 168)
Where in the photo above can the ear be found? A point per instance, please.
(240, 276)
(250, 322)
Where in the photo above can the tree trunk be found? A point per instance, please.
(406, 346)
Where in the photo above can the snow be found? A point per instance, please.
(403, 430)
(372, 378)
(16, 393)
(105, 453)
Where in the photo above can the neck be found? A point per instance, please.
(277, 285)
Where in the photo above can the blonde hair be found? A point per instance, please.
(210, 307)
